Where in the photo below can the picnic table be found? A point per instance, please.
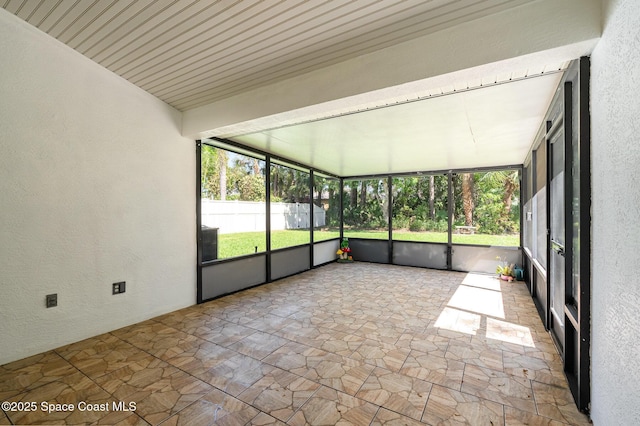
(466, 230)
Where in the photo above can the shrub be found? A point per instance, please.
(417, 226)
(436, 225)
(401, 222)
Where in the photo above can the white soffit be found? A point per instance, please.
(193, 52)
(484, 127)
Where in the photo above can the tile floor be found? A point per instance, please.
(361, 344)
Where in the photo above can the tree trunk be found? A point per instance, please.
(509, 188)
(354, 196)
(452, 201)
(319, 199)
(432, 197)
(363, 194)
(467, 198)
(274, 183)
(222, 166)
(385, 201)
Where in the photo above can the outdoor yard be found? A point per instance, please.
(231, 245)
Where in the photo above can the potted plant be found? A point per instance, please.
(505, 270)
(344, 252)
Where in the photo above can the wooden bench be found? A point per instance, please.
(465, 230)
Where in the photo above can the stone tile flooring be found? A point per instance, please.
(342, 344)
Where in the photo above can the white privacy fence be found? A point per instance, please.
(246, 216)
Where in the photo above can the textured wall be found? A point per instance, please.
(615, 109)
(96, 186)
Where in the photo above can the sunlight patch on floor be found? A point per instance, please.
(481, 295)
(479, 300)
(509, 332)
(482, 281)
(456, 320)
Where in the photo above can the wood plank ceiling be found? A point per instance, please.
(193, 52)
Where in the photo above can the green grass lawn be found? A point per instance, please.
(231, 245)
(440, 237)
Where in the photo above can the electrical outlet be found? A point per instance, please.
(119, 287)
(52, 300)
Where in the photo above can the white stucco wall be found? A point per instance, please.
(615, 109)
(96, 186)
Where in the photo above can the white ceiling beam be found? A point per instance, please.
(540, 32)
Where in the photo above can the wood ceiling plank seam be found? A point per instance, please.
(13, 5)
(108, 27)
(232, 69)
(130, 28)
(215, 93)
(206, 97)
(56, 15)
(71, 17)
(412, 34)
(359, 48)
(189, 74)
(195, 69)
(444, 20)
(204, 53)
(104, 36)
(158, 44)
(81, 37)
(27, 8)
(83, 22)
(168, 41)
(201, 45)
(176, 58)
(185, 92)
(436, 28)
(258, 81)
(38, 15)
(139, 34)
(191, 104)
(314, 53)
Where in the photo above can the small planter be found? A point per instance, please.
(344, 252)
(506, 277)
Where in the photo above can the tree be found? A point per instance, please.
(382, 196)
(432, 197)
(511, 182)
(467, 198)
(210, 171)
(221, 163)
(499, 189)
(354, 195)
(251, 187)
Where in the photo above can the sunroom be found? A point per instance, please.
(383, 134)
(457, 180)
